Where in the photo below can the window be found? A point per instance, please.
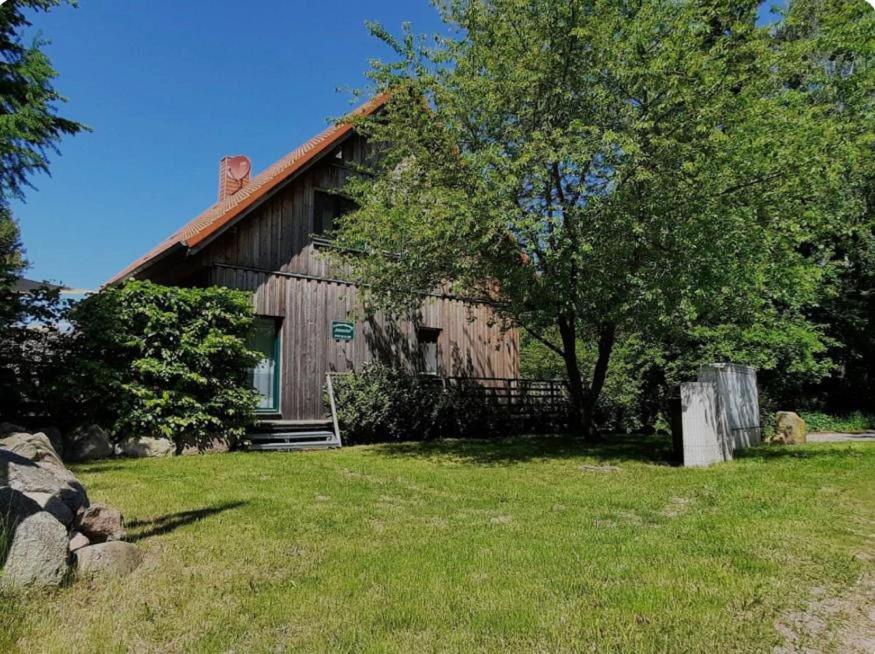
(327, 208)
(265, 339)
(428, 349)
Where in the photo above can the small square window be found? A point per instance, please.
(327, 208)
(427, 340)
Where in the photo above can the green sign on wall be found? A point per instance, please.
(342, 331)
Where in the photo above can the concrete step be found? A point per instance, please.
(291, 447)
(291, 439)
(290, 435)
(263, 426)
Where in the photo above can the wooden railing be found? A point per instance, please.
(520, 399)
(516, 404)
(329, 386)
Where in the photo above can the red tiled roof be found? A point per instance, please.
(222, 213)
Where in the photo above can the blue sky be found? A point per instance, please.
(168, 88)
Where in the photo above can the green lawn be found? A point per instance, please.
(457, 546)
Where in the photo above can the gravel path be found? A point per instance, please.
(833, 437)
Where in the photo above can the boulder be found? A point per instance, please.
(34, 447)
(789, 428)
(7, 428)
(37, 554)
(101, 523)
(54, 505)
(77, 541)
(145, 446)
(114, 559)
(26, 476)
(39, 449)
(15, 506)
(55, 437)
(87, 444)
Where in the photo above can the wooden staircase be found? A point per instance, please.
(274, 433)
(284, 435)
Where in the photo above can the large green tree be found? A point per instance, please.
(595, 167)
(837, 39)
(30, 130)
(30, 126)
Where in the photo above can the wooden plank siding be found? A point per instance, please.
(469, 345)
(270, 253)
(276, 236)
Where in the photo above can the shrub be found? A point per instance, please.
(31, 349)
(385, 403)
(382, 403)
(151, 360)
(849, 423)
(646, 370)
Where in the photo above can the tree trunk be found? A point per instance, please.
(607, 335)
(577, 404)
(576, 390)
(583, 400)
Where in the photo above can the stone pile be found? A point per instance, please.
(48, 528)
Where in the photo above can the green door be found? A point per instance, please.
(265, 339)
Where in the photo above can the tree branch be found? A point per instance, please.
(541, 339)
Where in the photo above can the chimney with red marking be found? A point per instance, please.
(233, 175)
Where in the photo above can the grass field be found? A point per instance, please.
(509, 545)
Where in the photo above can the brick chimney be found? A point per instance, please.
(234, 174)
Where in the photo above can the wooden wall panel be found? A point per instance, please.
(307, 308)
(270, 254)
(276, 235)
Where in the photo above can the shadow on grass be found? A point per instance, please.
(142, 529)
(88, 468)
(518, 449)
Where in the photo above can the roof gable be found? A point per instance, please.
(222, 214)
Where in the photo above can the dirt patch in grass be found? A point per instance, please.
(601, 469)
(676, 506)
(501, 520)
(838, 623)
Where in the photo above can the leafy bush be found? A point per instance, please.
(382, 403)
(151, 360)
(851, 423)
(31, 354)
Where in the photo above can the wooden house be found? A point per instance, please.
(264, 235)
